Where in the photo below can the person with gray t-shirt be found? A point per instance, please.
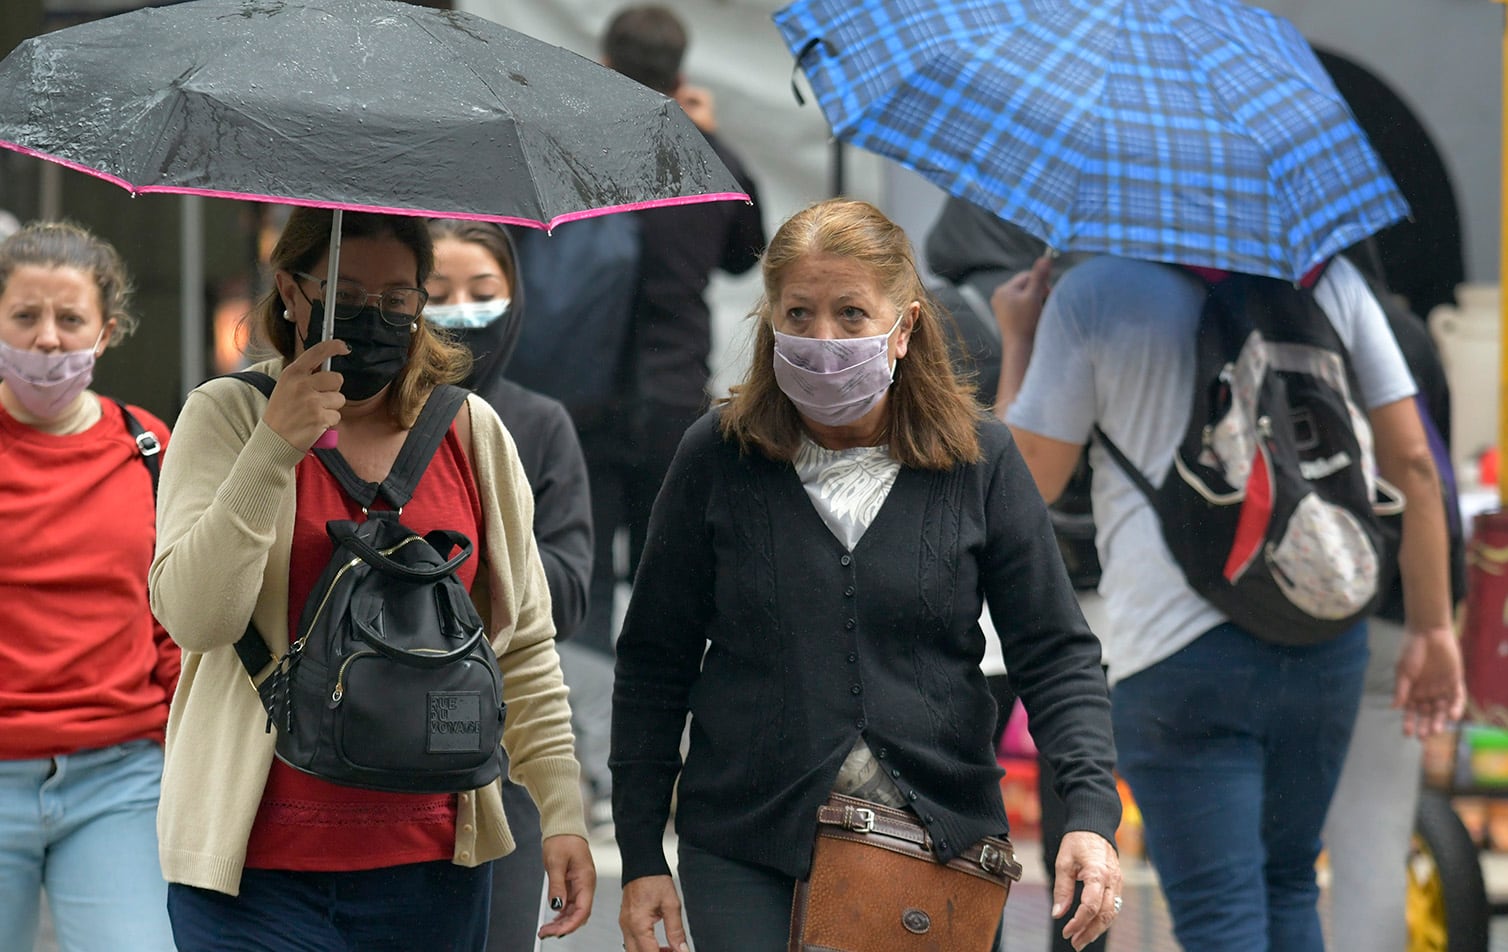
(1231, 744)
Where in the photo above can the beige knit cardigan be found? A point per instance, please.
(224, 528)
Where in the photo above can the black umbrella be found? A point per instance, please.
(371, 105)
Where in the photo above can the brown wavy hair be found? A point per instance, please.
(933, 415)
(64, 244)
(432, 359)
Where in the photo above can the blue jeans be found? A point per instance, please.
(83, 827)
(434, 907)
(1232, 748)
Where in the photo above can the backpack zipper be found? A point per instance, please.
(330, 590)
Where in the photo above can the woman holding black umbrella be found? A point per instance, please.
(255, 852)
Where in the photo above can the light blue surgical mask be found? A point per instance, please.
(468, 315)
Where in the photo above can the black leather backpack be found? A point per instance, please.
(390, 682)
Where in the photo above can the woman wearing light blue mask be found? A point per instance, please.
(475, 297)
(809, 596)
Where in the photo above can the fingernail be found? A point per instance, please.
(556, 903)
(1057, 911)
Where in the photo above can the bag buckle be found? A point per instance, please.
(858, 819)
(992, 859)
(147, 445)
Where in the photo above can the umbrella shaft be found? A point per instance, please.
(332, 274)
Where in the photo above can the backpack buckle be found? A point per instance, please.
(147, 445)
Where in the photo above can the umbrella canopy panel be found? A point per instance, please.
(358, 104)
(1194, 131)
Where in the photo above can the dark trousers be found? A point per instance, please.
(732, 906)
(518, 879)
(436, 907)
(628, 451)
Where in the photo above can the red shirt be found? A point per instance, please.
(305, 823)
(83, 664)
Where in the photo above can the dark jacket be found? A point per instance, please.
(552, 461)
(809, 646)
(681, 245)
(974, 250)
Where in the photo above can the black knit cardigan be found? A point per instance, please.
(784, 647)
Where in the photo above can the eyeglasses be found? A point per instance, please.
(398, 306)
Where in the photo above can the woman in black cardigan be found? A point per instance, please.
(809, 593)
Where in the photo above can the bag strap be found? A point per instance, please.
(413, 458)
(263, 382)
(418, 448)
(1124, 462)
(250, 647)
(147, 444)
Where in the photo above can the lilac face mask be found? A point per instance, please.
(834, 382)
(47, 384)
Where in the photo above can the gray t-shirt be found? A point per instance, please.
(1116, 346)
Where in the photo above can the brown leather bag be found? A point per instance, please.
(875, 886)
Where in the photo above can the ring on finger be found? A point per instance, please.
(1116, 905)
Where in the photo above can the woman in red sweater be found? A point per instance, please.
(85, 672)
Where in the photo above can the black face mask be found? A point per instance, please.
(379, 351)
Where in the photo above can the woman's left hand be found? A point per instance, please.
(1086, 857)
(573, 882)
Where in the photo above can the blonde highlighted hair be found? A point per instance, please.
(932, 415)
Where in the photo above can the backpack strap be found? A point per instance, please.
(263, 382)
(418, 449)
(413, 458)
(1124, 462)
(250, 647)
(147, 444)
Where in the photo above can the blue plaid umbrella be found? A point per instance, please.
(1201, 132)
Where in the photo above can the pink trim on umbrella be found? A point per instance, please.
(379, 209)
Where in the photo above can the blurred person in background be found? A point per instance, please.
(86, 674)
(1370, 827)
(475, 296)
(665, 374)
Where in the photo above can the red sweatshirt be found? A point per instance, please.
(82, 662)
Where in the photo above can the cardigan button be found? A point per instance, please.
(942, 845)
(846, 559)
(852, 658)
(896, 772)
(848, 591)
(859, 723)
(849, 624)
(930, 818)
(881, 753)
(855, 689)
(911, 795)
